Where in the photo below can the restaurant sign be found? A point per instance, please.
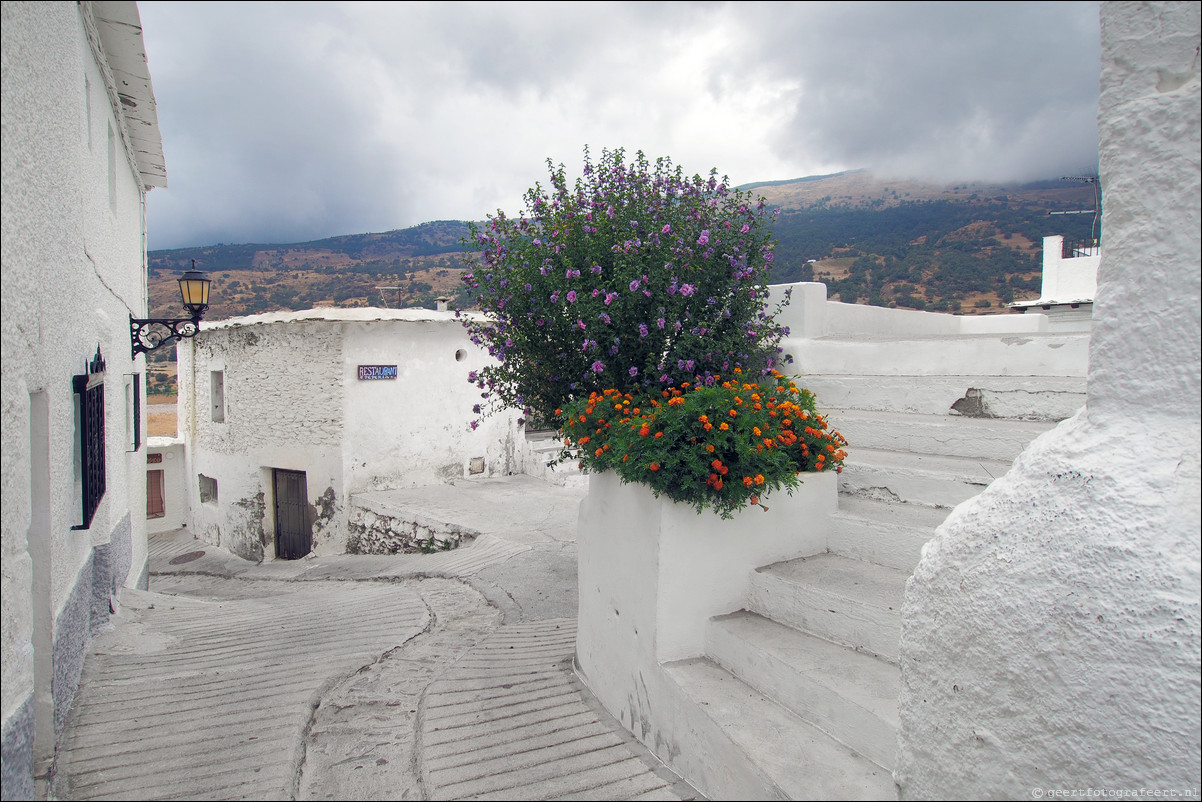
(372, 372)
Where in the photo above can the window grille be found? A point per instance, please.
(90, 389)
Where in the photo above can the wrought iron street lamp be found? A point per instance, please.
(147, 335)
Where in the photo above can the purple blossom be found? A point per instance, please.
(686, 290)
(633, 372)
(598, 366)
(634, 285)
(704, 239)
(596, 269)
(643, 330)
(571, 296)
(667, 229)
(660, 322)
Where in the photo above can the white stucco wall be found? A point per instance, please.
(73, 272)
(175, 487)
(293, 400)
(1051, 629)
(1067, 280)
(651, 575)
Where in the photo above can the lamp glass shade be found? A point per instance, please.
(194, 289)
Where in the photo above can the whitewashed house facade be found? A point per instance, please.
(286, 416)
(81, 150)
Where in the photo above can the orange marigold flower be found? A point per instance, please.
(710, 426)
(716, 464)
(599, 452)
(718, 485)
(584, 441)
(645, 430)
(733, 414)
(759, 478)
(756, 430)
(755, 499)
(748, 481)
(654, 466)
(659, 434)
(723, 427)
(709, 448)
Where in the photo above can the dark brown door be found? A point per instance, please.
(293, 536)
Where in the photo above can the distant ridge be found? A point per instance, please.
(758, 184)
(968, 248)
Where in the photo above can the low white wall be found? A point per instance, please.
(652, 574)
(1065, 354)
(810, 315)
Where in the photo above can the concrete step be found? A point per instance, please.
(791, 758)
(1039, 398)
(933, 480)
(884, 533)
(849, 602)
(849, 695)
(955, 436)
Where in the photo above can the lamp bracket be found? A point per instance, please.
(147, 335)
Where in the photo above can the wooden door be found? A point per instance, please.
(293, 533)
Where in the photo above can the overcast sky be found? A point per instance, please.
(286, 122)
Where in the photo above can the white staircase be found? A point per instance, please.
(804, 682)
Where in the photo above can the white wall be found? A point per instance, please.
(282, 410)
(1067, 280)
(829, 338)
(415, 430)
(73, 264)
(175, 487)
(293, 400)
(1051, 629)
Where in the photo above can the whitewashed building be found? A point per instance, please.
(287, 416)
(81, 150)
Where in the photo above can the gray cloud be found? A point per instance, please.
(996, 91)
(288, 122)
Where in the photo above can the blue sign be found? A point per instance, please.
(372, 372)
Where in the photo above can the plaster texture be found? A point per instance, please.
(73, 272)
(651, 575)
(1051, 630)
(290, 397)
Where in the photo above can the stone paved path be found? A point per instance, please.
(340, 678)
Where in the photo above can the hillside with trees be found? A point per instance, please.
(969, 249)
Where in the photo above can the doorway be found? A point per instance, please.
(293, 533)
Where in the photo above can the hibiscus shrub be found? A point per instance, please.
(720, 446)
(636, 278)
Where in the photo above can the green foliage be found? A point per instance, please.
(719, 447)
(636, 277)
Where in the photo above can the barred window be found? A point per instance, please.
(89, 392)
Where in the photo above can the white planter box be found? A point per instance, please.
(652, 573)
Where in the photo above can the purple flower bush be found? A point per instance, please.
(635, 277)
